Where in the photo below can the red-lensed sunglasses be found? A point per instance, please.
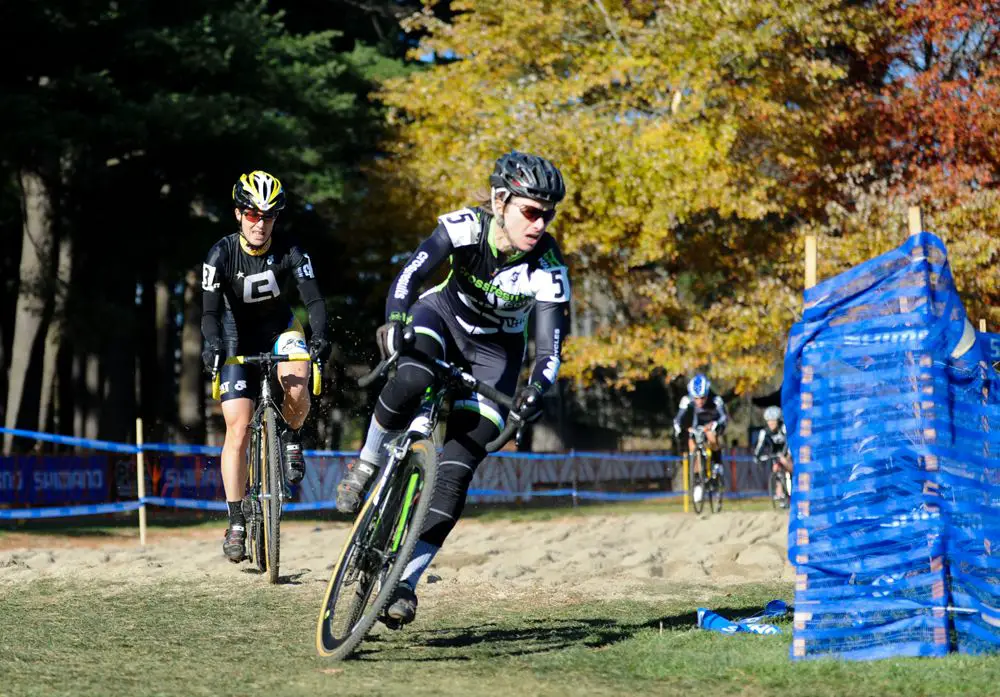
(255, 216)
(531, 214)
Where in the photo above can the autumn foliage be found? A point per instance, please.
(700, 140)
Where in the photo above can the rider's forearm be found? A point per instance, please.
(723, 416)
(211, 324)
(315, 306)
(551, 327)
(431, 253)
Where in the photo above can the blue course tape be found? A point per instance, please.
(186, 503)
(181, 449)
(68, 511)
(203, 505)
(214, 451)
(68, 440)
(310, 506)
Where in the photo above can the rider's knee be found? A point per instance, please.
(401, 394)
(237, 435)
(297, 395)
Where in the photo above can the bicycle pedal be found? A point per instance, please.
(390, 623)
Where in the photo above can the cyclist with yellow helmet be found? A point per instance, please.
(244, 312)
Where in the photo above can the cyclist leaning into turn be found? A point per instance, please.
(502, 265)
(701, 407)
(245, 312)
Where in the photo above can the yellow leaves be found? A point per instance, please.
(679, 127)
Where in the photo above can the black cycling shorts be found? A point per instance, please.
(494, 359)
(243, 381)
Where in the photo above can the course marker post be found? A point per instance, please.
(140, 481)
(810, 261)
(916, 221)
(687, 479)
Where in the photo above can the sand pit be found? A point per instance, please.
(629, 555)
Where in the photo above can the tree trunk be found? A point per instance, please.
(92, 389)
(148, 368)
(53, 336)
(166, 340)
(87, 394)
(191, 396)
(32, 303)
(116, 403)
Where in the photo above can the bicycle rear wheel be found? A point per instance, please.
(697, 492)
(773, 487)
(376, 553)
(271, 494)
(716, 487)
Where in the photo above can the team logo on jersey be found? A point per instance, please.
(493, 289)
(403, 286)
(208, 281)
(258, 287)
(305, 270)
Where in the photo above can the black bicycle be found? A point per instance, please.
(711, 486)
(267, 489)
(779, 483)
(386, 529)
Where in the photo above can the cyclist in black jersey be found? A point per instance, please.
(702, 407)
(773, 440)
(503, 264)
(245, 312)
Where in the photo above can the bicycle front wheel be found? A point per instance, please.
(271, 494)
(256, 550)
(376, 552)
(697, 482)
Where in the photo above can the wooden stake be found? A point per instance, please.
(916, 221)
(810, 261)
(140, 473)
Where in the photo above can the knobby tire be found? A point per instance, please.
(697, 479)
(255, 533)
(271, 489)
(359, 554)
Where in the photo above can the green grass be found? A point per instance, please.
(89, 638)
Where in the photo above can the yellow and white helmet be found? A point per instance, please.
(259, 190)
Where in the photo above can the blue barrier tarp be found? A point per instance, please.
(891, 405)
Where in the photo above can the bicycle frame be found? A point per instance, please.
(267, 488)
(700, 437)
(421, 426)
(424, 423)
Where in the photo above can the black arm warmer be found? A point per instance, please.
(427, 257)
(551, 328)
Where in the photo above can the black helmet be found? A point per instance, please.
(259, 190)
(530, 176)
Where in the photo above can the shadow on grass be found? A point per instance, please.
(532, 636)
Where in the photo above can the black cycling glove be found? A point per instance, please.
(528, 403)
(389, 337)
(211, 355)
(319, 349)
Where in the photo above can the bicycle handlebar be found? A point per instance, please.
(446, 371)
(269, 359)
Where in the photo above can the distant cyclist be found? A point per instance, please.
(701, 407)
(503, 265)
(246, 310)
(772, 444)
